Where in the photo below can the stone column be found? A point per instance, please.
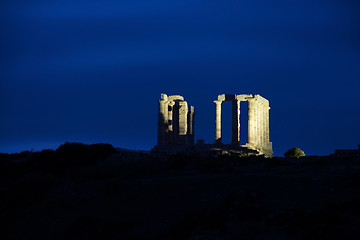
(217, 121)
(251, 122)
(256, 103)
(265, 128)
(259, 125)
(191, 124)
(263, 144)
(170, 123)
(170, 116)
(183, 124)
(235, 122)
(267, 138)
(162, 122)
(260, 115)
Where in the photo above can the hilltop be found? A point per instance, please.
(99, 192)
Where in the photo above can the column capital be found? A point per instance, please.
(218, 102)
(164, 96)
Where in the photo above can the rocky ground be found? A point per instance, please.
(138, 195)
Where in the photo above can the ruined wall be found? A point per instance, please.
(175, 122)
(258, 121)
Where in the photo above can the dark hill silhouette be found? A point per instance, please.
(98, 192)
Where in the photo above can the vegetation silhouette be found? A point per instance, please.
(294, 152)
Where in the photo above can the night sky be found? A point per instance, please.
(93, 71)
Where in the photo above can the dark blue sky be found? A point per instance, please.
(92, 71)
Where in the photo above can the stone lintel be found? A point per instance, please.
(243, 97)
(176, 97)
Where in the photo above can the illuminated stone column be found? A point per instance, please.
(251, 123)
(263, 127)
(235, 122)
(183, 124)
(259, 125)
(267, 130)
(170, 115)
(256, 112)
(217, 121)
(163, 120)
(170, 123)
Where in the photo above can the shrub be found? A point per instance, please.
(69, 155)
(79, 154)
(15, 156)
(47, 161)
(294, 152)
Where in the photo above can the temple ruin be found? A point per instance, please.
(258, 122)
(175, 122)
